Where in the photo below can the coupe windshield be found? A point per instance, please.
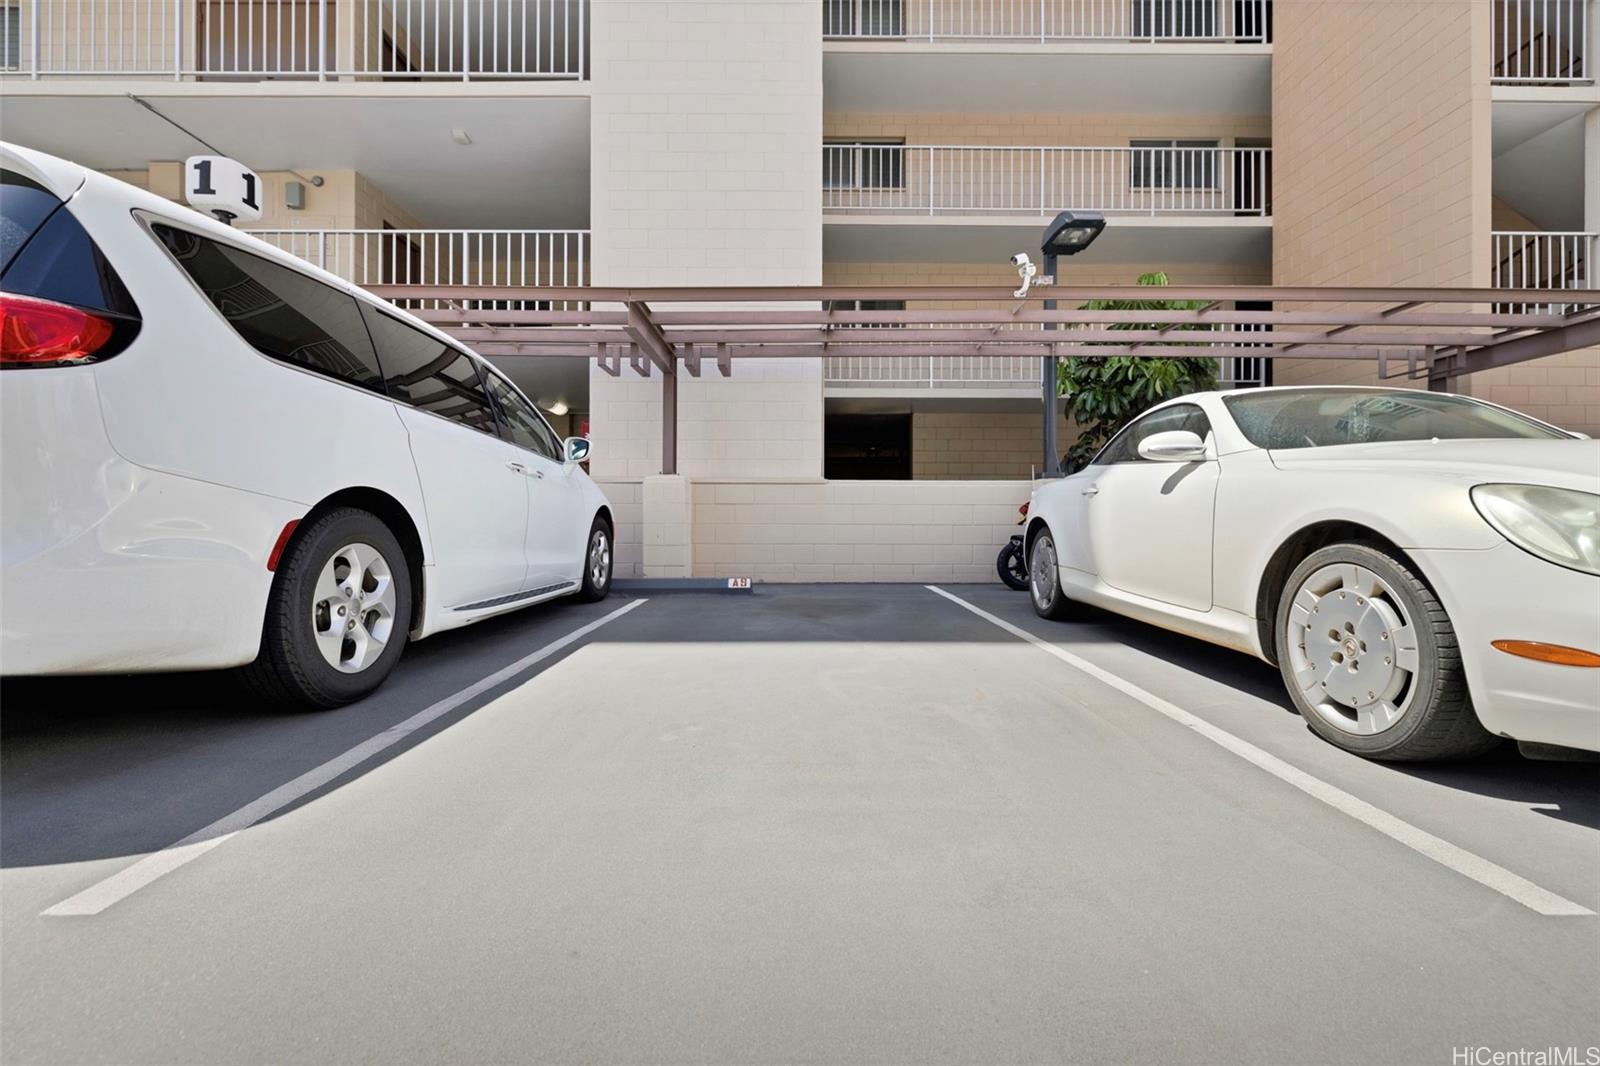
(1318, 418)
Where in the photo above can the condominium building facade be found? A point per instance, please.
(857, 142)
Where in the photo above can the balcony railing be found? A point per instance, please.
(1540, 260)
(1199, 21)
(445, 257)
(1541, 42)
(1012, 372)
(980, 180)
(259, 40)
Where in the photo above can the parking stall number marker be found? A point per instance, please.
(1479, 869)
(121, 885)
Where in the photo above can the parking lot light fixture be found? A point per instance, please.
(1069, 233)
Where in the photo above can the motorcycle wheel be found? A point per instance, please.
(1011, 567)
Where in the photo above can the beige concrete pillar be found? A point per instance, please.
(668, 518)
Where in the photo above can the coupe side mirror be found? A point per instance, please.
(1173, 446)
(577, 449)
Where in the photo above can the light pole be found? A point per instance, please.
(1070, 233)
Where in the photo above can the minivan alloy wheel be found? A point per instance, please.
(353, 607)
(1352, 649)
(599, 557)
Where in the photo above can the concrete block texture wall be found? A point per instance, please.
(1381, 139)
(979, 445)
(706, 156)
(854, 530)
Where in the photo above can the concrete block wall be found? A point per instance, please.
(978, 445)
(627, 508)
(1381, 133)
(854, 530)
(706, 152)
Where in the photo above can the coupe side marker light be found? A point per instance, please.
(1548, 653)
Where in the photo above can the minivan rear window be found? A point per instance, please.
(49, 255)
(280, 312)
(24, 205)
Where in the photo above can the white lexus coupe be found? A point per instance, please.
(216, 455)
(1424, 569)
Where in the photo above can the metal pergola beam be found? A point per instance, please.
(1343, 320)
(1440, 333)
(681, 339)
(1583, 333)
(1389, 297)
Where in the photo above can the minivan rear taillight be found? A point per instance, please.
(35, 333)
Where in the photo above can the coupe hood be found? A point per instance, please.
(1573, 464)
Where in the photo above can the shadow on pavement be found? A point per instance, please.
(101, 767)
(1566, 791)
(96, 767)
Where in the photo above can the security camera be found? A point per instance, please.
(1025, 270)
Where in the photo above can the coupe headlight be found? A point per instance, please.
(1561, 526)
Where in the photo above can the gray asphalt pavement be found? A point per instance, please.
(806, 824)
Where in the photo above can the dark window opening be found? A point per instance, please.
(867, 447)
(1174, 18)
(863, 18)
(864, 164)
(1175, 164)
(1244, 371)
(865, 305)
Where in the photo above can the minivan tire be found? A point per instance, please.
(291, 668)
(599, 561)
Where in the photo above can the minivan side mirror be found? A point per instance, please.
(1173, 446)
(576, 449)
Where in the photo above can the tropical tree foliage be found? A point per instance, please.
(1106, 393)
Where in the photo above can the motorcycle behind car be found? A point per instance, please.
(1011, 562)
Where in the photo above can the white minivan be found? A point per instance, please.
(216, 455)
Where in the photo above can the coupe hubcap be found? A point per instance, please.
(599, 559)
(1352, 649)
(1042, 571)
(352, 608)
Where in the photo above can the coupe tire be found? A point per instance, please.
(598, 559)
(338, 614)
(1044, 579)
(1370, 659)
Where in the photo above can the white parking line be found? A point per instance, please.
(1440, 851)
(124, 883)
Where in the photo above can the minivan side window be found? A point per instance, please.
(280, 312)
(1124, 447)
(428, 374)
(526, 427)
